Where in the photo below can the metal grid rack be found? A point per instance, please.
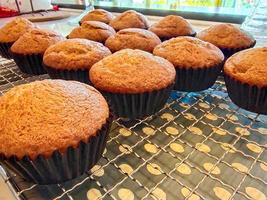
(199, 146)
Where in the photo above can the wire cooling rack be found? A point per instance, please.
(199, 146)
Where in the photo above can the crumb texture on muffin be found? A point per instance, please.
(226, 36)
(172, 26)
(248, 66)
(98, 15)
(75, 54)
(189, 52)
(44, 116)
(133, 38)
(11, 31)
(132, 71)
(36, 41)
(93, 30)
(129, 19)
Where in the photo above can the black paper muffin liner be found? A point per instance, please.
(29, 64)
(196, 79)
(4, 49)
(138, 105)
(248, 97)
(168, 38)
(230, 51)
(81, 75)
(61, 167)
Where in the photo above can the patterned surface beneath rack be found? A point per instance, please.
(199, 146)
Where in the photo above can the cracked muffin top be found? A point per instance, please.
(41, 117)
(129, 19)
(75, 54)
(248, 66)
(189, 52)
(226, 36)
(98, 15)
(93, 30)
(133, 38)
(132, 71)
(36, 41)
(11, 31)
(172, 26)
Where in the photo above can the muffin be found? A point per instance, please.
(129, 19)
(10, 32)
(246, 79)
(197, 63)
(71, 59)
(133, 38)
(135, 82)
(229, 38)
(29, 49)
(172, 26)
(52, 130)
(93, 30)
(98, 15)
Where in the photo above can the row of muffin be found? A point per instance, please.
(131, 33)
(197, 63)
(227, 37)
(56, 130)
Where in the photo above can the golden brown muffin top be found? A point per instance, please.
(93, 30)
(129, 19)
(172, 26)
(11, 31)
(35, 41)
(44, 116)
(189, 52)
(226, 36)
(132, 71)
(133, 38)
(248, 66)
(75, 54)
(98, 15)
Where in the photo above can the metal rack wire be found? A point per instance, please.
(199, 146)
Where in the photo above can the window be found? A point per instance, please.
(215, 10)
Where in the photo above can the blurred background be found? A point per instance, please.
(233, 7)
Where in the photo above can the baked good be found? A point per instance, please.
(133, 38)
(35, 41)
(92, 30)
(229, 38)
(135, 82)
(71, 59)
(197, 63)
(48, 128)
(98, 15)
(129, 19)
(246, 79)
(10, 32)
(172, 26)
(28, 50)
